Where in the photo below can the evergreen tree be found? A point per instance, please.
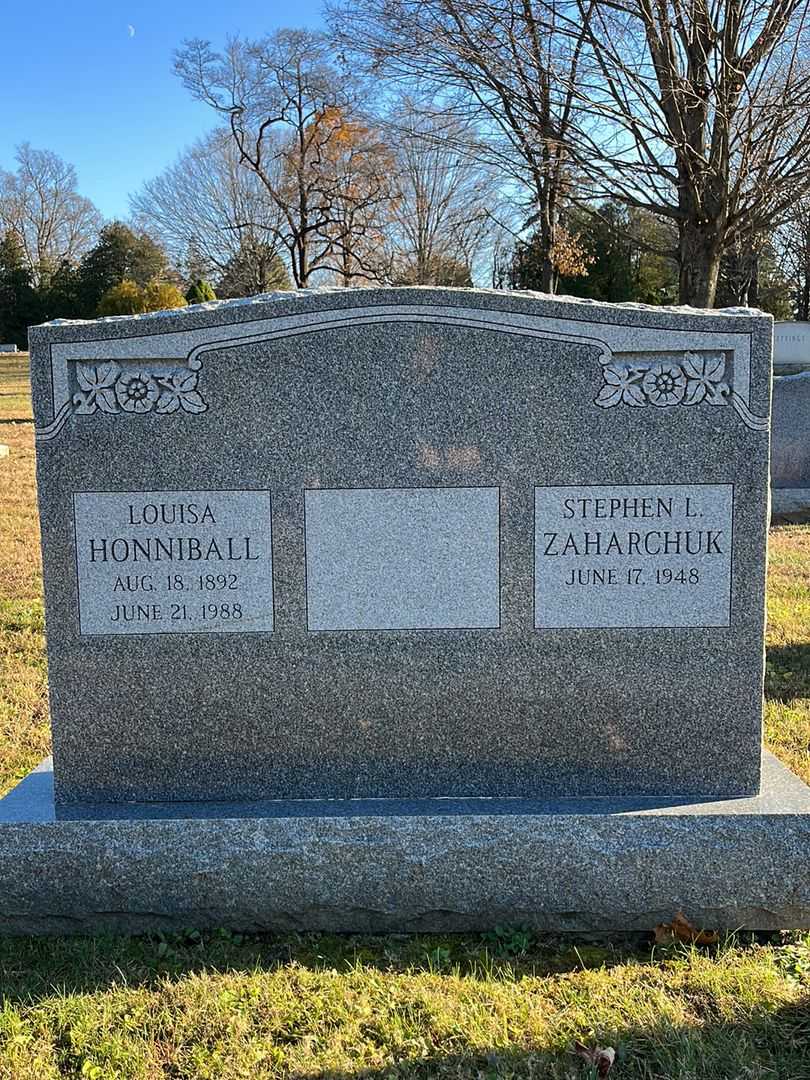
(655, 268)
(200, 292)
(618, 255)
(255, 268)
(528, 265)
(603, 236)
(18, 299)
(60, 298)
(119, 255)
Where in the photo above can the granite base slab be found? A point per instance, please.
(599, 864)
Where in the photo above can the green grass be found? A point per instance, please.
(319, 1006)
(508, 1004)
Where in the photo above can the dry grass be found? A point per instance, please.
(20, 567)
(787, 684)
(24, 732)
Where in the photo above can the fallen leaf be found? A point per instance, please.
(601, 1057)
(680, 929)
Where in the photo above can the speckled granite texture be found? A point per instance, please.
(439, 865)
(397, 389)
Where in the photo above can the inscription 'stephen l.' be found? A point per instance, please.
(174, 562)
(633, 556)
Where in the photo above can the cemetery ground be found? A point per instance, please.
(506, 1004)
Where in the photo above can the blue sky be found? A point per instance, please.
(93, 81)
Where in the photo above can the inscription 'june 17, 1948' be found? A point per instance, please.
(647, 555)
(174, 561)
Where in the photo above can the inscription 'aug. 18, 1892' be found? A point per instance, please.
(157, 562)
(642, 555)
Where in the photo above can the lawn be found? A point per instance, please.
(507, 1004)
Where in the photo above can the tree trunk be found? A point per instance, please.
(803, 313)
(699, 260)
(753, 288)
(301, 272)
(548, 274)
(346, 267)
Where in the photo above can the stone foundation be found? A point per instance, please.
(601, 864)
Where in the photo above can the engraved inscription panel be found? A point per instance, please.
(174, 562)
(651, 555)
(403, 559)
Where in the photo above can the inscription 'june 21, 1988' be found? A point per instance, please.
(158, 562)
(646, 555)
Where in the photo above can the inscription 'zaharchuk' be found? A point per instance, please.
(654, 542)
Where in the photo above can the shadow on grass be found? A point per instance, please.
(787, 672)
(33, 967)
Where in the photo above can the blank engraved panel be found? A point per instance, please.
(174, 562)
(647, 555)
(402, 559)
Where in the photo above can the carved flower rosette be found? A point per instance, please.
(110, 388)
(694, 379)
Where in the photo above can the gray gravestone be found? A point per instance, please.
(476, 554)
(790, 442)
(404, 544)
(791, 345)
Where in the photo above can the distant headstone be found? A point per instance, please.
(791, 344)
(435, 548)
(790, 442)
(8, 349)
(4, 450)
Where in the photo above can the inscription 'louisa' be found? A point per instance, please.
(171, 514)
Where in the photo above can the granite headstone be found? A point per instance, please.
(419, 543)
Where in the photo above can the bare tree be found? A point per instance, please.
(287, 107)
(359, 170)
(443, 213)
(705, 119)
(793, 248)
(509, 66)
(208, 207)
(40, 206)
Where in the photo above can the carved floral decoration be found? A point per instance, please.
(111, 389)
(694, 379)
